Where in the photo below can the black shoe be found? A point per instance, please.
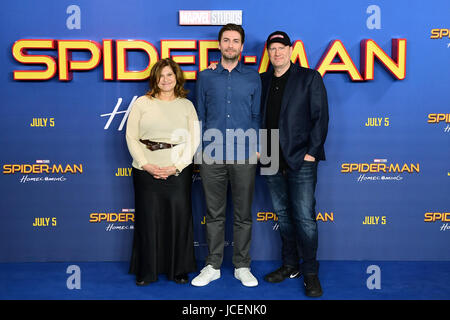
(142, 283)
(312, 285)
(181, 278)
(282, 273)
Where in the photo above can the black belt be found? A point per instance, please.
(152, 145)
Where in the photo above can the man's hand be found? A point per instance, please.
(212, 66)
(309, 158)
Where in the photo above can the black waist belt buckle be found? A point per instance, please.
(152, 145)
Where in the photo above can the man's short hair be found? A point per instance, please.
(232, 27)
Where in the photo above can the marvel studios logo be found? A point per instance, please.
(209, 17)
(43, 161)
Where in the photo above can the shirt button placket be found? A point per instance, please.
(228, 96)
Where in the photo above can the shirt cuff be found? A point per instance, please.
(180, 166)
(141, 163)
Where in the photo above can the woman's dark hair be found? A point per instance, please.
(155, 75)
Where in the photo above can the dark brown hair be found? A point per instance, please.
(232, 27)
(155, 75)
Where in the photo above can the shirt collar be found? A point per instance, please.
(238, 67)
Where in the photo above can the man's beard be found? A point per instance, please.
(230, 58)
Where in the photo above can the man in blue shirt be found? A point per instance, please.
(228, 106)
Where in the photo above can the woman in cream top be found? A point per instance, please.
(162, 136)
(173, 122)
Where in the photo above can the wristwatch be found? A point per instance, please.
(177, 172)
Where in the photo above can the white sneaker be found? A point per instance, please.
(246, 277)
(207, 274)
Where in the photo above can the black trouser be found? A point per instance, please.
(215, 178)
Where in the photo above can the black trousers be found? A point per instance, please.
(215, 178)
(163, 227)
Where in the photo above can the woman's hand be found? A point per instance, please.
(166, 172)
(160, 173)
(154, 170)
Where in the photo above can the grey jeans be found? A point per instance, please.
(215, 178)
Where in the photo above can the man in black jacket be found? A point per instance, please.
(294, 101)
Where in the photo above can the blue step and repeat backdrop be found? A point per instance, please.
(71, 69)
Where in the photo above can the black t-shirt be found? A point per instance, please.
(273, 110)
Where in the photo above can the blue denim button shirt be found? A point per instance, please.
(227, 101)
